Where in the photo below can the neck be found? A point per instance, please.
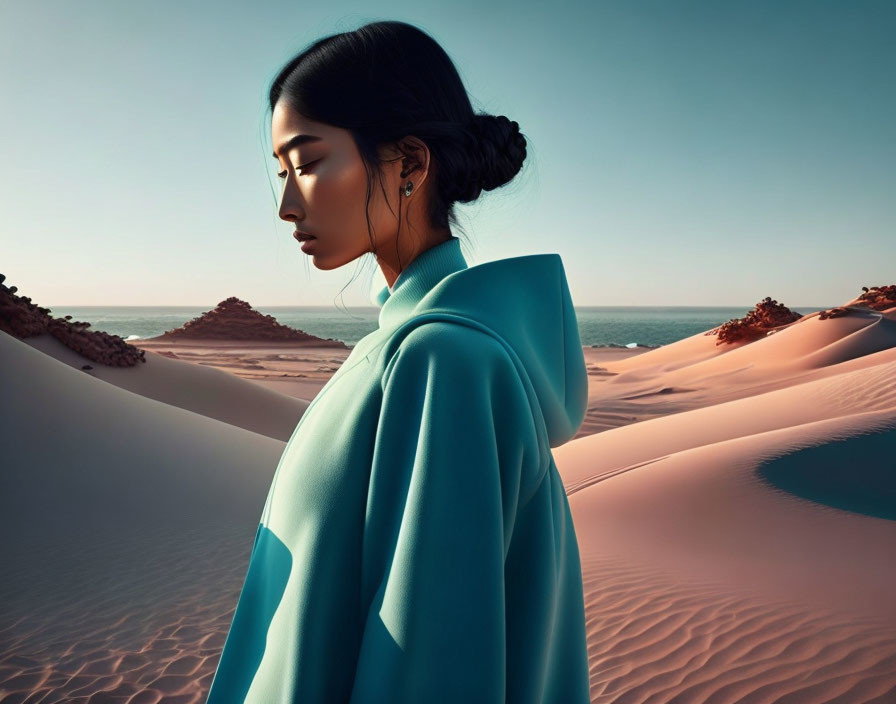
(398, 256)
(419, 277)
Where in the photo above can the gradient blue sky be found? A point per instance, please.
(681, 152)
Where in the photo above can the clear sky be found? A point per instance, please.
(681, 152)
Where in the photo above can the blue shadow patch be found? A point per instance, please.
(854, 474)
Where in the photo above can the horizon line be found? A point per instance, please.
(283, 305)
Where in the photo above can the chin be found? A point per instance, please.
(330, 263)
(325, 264)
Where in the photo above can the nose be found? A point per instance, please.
(289, 209)
(290, 214)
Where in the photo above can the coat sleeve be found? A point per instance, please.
(455, 447)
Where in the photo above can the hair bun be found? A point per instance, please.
(501, 149)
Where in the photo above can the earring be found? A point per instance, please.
(407, 188)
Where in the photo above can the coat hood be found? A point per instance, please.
(523, 300)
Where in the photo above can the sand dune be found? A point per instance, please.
(695, 373)
(735, 588)
(744, 550)
(127, 524)
(202, 389)
(735, 507)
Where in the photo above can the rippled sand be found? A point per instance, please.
(148, 627)
(654, 637)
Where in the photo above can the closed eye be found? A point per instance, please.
(282, 174)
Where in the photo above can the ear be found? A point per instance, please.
(416, 161)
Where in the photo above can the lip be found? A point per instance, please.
(308, 244)
(302, 236)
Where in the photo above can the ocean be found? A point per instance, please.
(599, 326)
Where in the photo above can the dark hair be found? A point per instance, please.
(387, 80)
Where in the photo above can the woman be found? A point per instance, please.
(416, 544)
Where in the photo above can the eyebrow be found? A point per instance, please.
(296, 141)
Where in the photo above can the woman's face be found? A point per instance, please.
(325, 189)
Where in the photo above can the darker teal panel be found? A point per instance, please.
(268, 573)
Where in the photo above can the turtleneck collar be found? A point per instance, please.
(417, 279)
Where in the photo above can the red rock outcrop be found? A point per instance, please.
(767, 315)
(838, 312)
(233, 319)
(876, 297)
(21, 318)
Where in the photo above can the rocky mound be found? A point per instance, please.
(765, 316)
(21, 318)
(233, 319)
(876, 297)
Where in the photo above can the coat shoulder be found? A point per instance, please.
(450, 344)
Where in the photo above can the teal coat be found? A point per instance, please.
(416, 544)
